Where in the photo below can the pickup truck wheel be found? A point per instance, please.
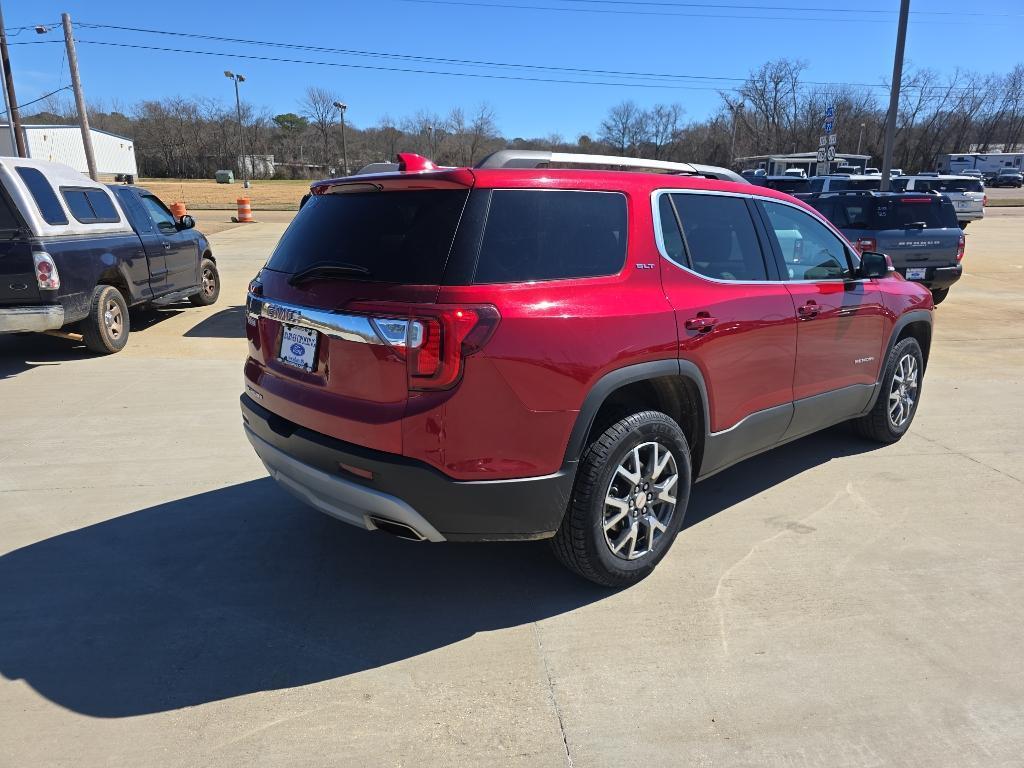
(897, 401)
(106, 328)
(627, 506)
(938, 296)
(209, 286)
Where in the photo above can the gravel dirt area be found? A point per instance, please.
(205, 193)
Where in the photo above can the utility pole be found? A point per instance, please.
(10, 99)
(241, 135)
(76, 86)
(7, 111)
(894, 95)
(342, 106)
(860, 137)
(732, 148)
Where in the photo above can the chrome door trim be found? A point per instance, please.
(338, 325)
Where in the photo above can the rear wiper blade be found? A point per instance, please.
(324, 270)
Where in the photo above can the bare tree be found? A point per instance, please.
(318, 106)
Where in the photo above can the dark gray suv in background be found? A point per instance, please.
(919, 232)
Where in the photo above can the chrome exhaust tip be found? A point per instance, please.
(401, 530)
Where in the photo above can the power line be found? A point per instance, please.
(452, 62)
(600, 73)
(688, 15)
(803, 9)
(405, 70)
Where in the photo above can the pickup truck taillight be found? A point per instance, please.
(865, 244)
(46, 271)
(434, 339)
(960, 248)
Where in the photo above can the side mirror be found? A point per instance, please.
(873, 265)
(186, 222)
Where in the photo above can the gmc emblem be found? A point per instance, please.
(282, 314)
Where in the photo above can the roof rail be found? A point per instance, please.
(533, 158)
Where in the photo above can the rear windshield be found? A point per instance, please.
(396, 237)
(948, 185)
(838, 185)
(534, 234)
(894, 213)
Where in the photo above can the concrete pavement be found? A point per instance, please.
(831, 603)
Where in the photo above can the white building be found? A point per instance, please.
(63, 144)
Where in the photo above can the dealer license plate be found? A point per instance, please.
(916, 274)
(298, 347)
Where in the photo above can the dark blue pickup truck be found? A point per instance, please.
(75, 254)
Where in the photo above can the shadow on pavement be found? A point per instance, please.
(23, 352)
(229, 323)
(243, 589)
(753, 476)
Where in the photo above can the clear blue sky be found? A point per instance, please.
(677, 37)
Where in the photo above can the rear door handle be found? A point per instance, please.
(808, 310)
(167, 246)
(701, 323)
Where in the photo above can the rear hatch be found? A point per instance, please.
(917, 231)
(967, 195)
(329, 315)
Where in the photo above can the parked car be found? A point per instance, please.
(792, 184)
(966, 192)
(798, 173)
(1008, 177)
(918, 232)
(77, 254)
(894, 172)
(520, 352)
(871, 171)
(837, 182)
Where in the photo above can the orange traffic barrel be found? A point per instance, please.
(244, 210)
(178, 209)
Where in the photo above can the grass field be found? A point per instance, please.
(272, 195)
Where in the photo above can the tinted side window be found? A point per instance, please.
(102, 205)
(43, 194)
(90, 206)
(809, 249)
(720, 237)
(816, 185)
(549, 235)
(670, 234)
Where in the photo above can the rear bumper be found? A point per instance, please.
(41, 317)
(312, 467)
(937, 278)
(970, 215)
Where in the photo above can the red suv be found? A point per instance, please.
(521, 352)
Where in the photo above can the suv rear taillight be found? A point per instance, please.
(434, 339)
(984, 201)
(46, 271)
(865, 244)
(960, 248)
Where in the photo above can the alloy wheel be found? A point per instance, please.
(640, 501)
(113, 319)
(903, 392)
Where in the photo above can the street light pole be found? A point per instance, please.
(860, 137)
(894, 95)
(342, 106)
(241, 134)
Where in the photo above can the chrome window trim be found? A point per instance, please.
(660, 240)
(338, 325)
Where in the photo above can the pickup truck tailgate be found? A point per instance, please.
(17, 273)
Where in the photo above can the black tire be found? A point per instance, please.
(581, 543)
(939, 295)
(963, 224)
(107, 326)
(209, 285)
(879, 425)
